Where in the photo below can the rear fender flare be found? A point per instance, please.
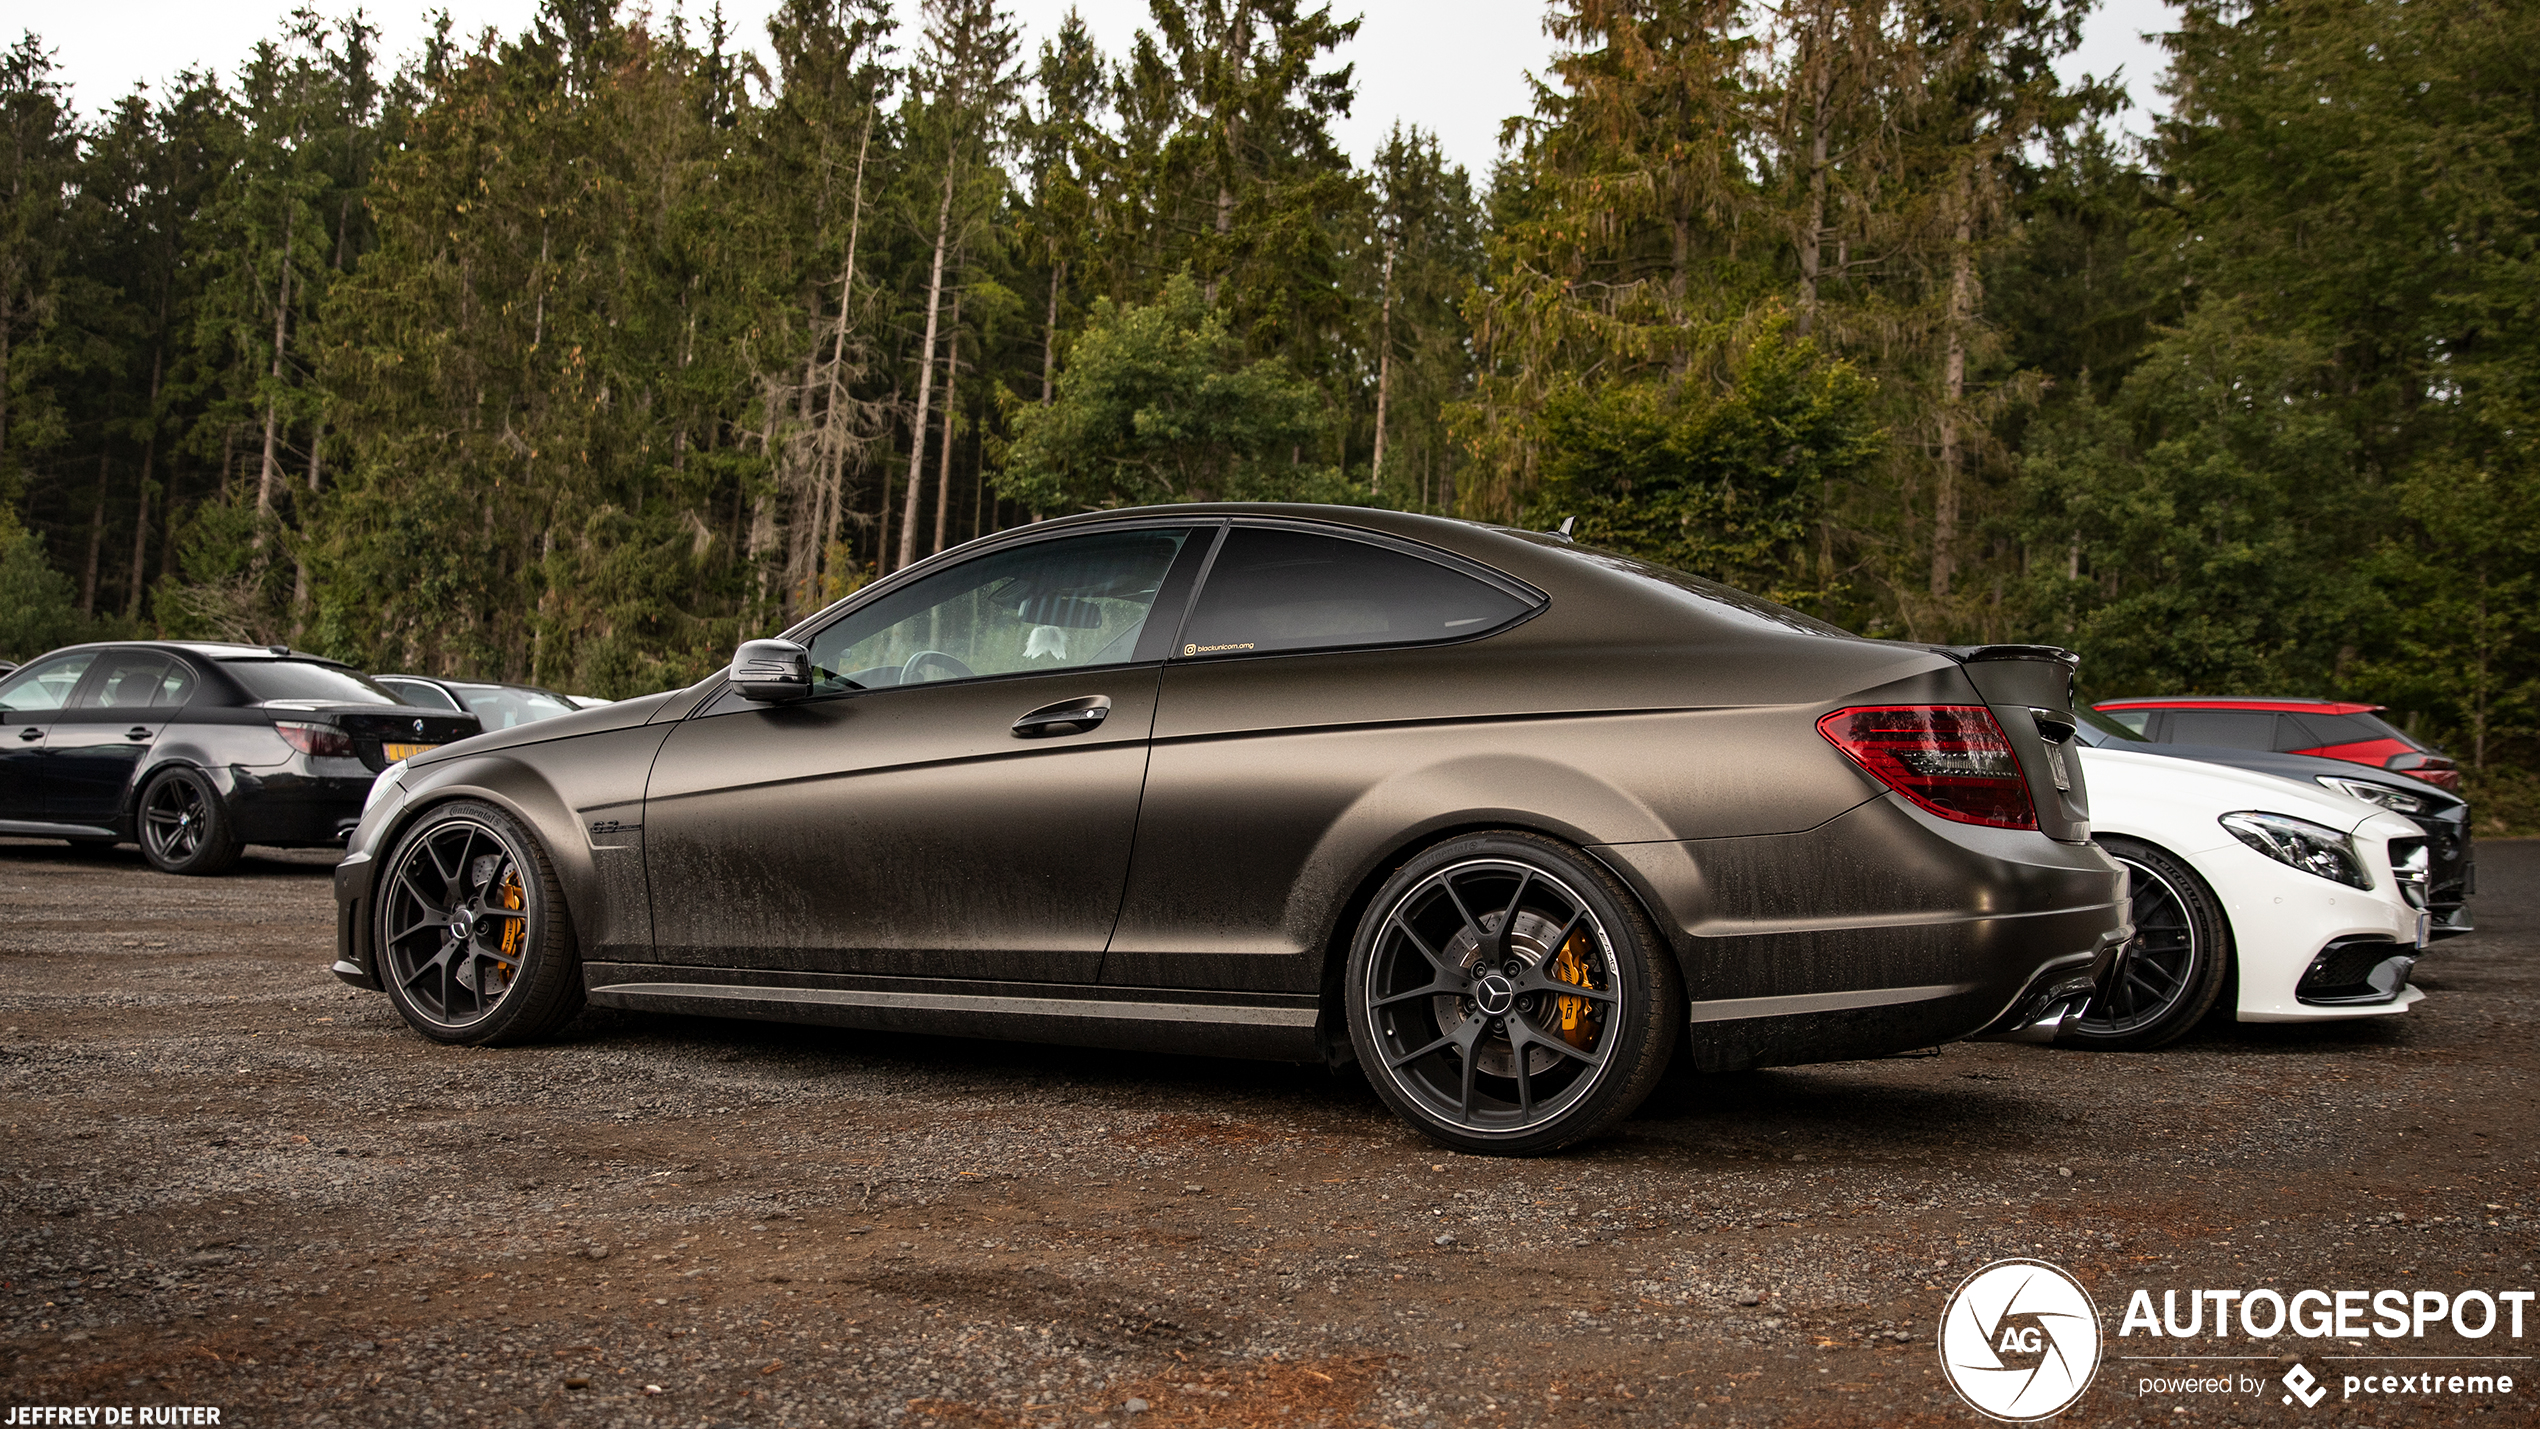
(1355, 857)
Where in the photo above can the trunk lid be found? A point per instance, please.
(382, 734)
(2029, 688)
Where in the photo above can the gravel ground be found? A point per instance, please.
(232, 1182)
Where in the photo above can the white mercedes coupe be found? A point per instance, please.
(2284, 901)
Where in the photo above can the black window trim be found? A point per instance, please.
(1536, 601)
(90, 676)
(1204, 529)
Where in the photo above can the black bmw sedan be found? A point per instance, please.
(1501, 819)
(195, 750)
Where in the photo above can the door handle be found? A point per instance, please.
(138, 731)
(31, 736)
(1065, 717)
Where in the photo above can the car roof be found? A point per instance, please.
(447, 683)
(2292, 704)
(209, 649)
(2295, 766)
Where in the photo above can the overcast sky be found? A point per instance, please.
(1454, 66)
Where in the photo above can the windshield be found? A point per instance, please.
(505, 706)
(306, 680)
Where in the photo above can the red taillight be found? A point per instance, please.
(323, 739)
(1950, 759)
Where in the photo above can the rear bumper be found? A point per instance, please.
(289, 805)
(1880, 931)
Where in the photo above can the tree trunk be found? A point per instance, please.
(141, 498)
(1049, 334)
(1953, 390)
(8, 320)
(96, 543)
(926, 375)
(1384, 378)
(271, 474)
(1812, 236)
(943, 473)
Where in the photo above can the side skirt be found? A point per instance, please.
(1265, 1027)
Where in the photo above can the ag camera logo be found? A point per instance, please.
(2019, 1341)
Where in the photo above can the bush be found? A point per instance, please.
(37, 612)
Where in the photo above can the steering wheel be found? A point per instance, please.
(944, 667)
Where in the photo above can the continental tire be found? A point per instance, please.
(1506, 995)
(475, 947)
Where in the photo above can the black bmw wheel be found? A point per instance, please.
(185, 828)
(2168, 975)
(1506, 995)
(472, 937)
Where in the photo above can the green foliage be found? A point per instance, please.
(37, 611)
(578, 353)
(1724, 474)
(1157, 404)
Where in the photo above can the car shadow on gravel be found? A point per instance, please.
(932, 1058)
(256, 860)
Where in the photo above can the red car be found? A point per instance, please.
(2325, 729)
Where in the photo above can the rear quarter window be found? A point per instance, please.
(2312, 731)
(1270, 590)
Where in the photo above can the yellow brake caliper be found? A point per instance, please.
(512, 899)
(1571, 967)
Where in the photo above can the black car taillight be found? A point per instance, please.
(322, 739)
(1950, 759)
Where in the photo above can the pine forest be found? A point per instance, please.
(576, 355)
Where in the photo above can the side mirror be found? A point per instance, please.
(771, 671)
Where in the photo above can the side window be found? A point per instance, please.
(2223, 729)
(1272, 589)
(138, 680)
(1050, 605)
(45, 685)
(2132, 719)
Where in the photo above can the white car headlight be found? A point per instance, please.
(385, 785)
(2299, 843)
(2397, 801)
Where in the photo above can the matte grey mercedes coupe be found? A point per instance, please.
(1504, 820)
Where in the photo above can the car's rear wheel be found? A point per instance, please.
(185, 828)
(474, 945)
(1507, 995)
(2168, 975)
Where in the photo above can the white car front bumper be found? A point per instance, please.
(2284, 920)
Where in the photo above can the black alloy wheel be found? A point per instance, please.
(472, 939)
(1507, 995)
(2169, 974)
(185, 828)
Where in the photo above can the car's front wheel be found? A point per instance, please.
(185, 828)
(1507, 995)
(2168, 976)
(474, 945)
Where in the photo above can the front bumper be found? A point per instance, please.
(353, 962)
(2307, 949)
